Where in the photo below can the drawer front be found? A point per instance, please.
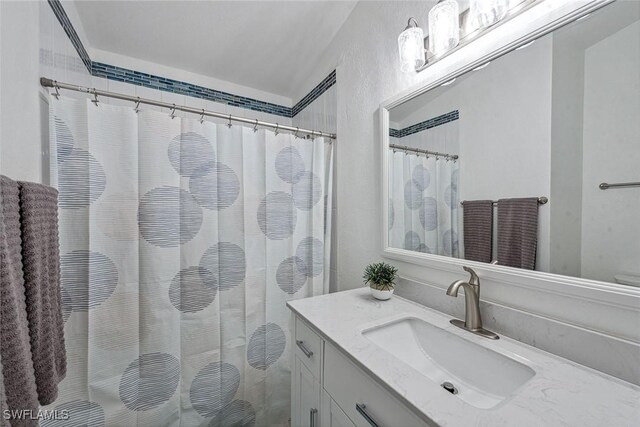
(364, 401)
(308, 347)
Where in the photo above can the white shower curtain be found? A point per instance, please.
(423, 203)
(181, 243)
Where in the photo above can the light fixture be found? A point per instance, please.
(449, 82)
(411, 47)
(444, 27)
(487, 12)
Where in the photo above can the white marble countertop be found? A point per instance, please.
(562, 393)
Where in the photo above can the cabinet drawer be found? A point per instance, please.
(308, 347)
(349, 386)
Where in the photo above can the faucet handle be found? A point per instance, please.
(474, 279)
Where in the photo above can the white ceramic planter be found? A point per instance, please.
(381, 295)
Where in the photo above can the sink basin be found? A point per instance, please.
(482, 377)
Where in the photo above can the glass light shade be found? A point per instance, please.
(411, 48)
(487, 12)
(444, 27)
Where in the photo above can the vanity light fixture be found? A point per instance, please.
(411, 47)
(444, 27)
(451, 28)
(485, 13)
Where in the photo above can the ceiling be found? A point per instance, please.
(267, 45)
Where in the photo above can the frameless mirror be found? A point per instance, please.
(505, 163)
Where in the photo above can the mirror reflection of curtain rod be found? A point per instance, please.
(173, 107)
(606, 186)
(541, 201)
(421, 151)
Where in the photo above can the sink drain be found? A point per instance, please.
(449, 387)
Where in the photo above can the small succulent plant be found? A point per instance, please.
(380, 276)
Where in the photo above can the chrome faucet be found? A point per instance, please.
(472, 320)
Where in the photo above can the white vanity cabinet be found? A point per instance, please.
(329, 390)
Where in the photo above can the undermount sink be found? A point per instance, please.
(481, 377)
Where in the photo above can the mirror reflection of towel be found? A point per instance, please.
(478, 230)
(518, 232)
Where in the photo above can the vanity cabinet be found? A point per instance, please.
(329, 390)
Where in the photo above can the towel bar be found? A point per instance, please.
(541, 201)
(606, 186)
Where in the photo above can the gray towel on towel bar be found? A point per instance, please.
(518, 232)
(41, 267)
(15, 347)
(478, 230)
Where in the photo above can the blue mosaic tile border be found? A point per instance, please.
(321, 88)
(58, 10)
(427, 124)
(137, 78)
(112, 72)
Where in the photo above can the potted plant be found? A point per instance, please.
(381, 279)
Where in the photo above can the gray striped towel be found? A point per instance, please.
(478, 230)
(41, 267)
(518, 232)
(15, 348)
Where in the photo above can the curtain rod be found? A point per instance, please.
(45, 82)
(419, 150)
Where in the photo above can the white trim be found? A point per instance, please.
(605, 307)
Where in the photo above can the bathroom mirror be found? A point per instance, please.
(505, 163)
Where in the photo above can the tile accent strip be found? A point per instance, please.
(315, 93)
(427, 124)
(64, 21)
(115, 73)
(137, 78)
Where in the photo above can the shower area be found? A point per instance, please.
(182, 237)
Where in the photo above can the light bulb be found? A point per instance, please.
(444, 27)
(487, 12)
(411, 47)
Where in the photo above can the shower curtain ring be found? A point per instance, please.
(312, 135)
(202, 116)
(229, 124)
(137, 107)
(57, 88)
(173, 111)
(255, 127)
(296, 133)
(95, 98)
(275, 132)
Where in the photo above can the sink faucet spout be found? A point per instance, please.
(472, 319)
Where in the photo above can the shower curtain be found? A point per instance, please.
(423, 203)
(181, 243)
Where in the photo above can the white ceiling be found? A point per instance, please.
(267, 45)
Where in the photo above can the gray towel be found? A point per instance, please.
(15, 349)
(41, 267)
(3, 399)
(518, 232)
(478, 230)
